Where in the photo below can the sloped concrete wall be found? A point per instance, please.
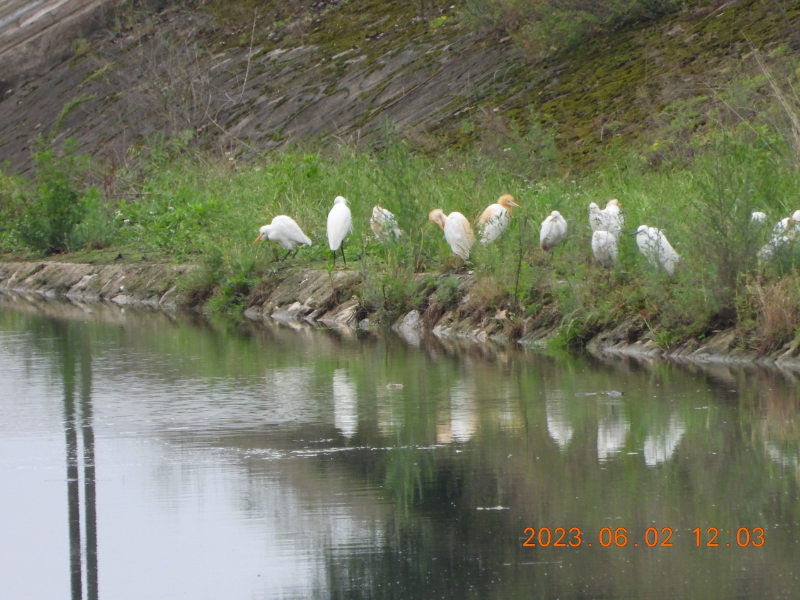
(37, 31)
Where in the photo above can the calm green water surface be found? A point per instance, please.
(146, 457)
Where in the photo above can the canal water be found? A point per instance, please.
(149, 456)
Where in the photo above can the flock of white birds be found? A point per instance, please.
(606, 227)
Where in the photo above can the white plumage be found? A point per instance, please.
(553, 231)
(457, 231)
(655, 247)
(383, 223)
(604, 248)
(783, 232)
(611, 217)
(285, 231)
(495, 218)
(340, 223)
(758, 216)
(595, 218)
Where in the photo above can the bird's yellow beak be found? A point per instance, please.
(258, 239)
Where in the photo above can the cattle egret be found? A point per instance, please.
(612, 217)
(595, 218)
(340, 223)
(783, 232)
(286, 232)
(604, 247)
(553, 231)
(383, 223)
(495, 217)
(655, 247)
(457, 231)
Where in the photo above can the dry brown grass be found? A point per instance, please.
(777, 305)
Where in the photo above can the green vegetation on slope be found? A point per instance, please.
(716, 157)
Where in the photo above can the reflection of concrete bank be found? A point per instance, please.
(309, 296)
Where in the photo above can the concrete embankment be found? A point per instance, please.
(145, 285)
(316, 296)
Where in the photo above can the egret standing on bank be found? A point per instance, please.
(457, 231)
(495, 217)
(553, 231)
(383, 224)
(609, 219)
(340, 223)
(286, 232)
(595, 218)
(783, 232)
(655, 247)
(604, 248)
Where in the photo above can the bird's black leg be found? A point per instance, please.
(343, 257)
(334, 257)
(296, 250)
(285, 255)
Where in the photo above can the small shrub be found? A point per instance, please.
(54, 208)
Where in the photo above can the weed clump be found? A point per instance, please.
(49, 214)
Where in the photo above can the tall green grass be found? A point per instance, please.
(172, 203)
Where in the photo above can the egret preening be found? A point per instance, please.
(604, 248)
(340, 223)
(783, 232)
(655, 247)
(495, 217)
(286, 232)
(553, 231)
(610, 217)
(457, 231)
(383, 224)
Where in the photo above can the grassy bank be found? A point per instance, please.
(177, 206)
(716, 156)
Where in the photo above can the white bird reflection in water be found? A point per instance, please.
(659, 448)
(781, 457)
(612, 431)
(463, 422)
(345, 404)
(558, 426)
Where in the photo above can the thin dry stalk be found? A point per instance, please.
(249, 54)
(791, 111)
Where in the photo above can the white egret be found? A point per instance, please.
(604, 247)
(383, 223)
(655, 247)
(286, 232)
(595, 218)
(612, 217)
(340, 223)
(783, 232)
(495, 217)
(553, 231)
(457, 231)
